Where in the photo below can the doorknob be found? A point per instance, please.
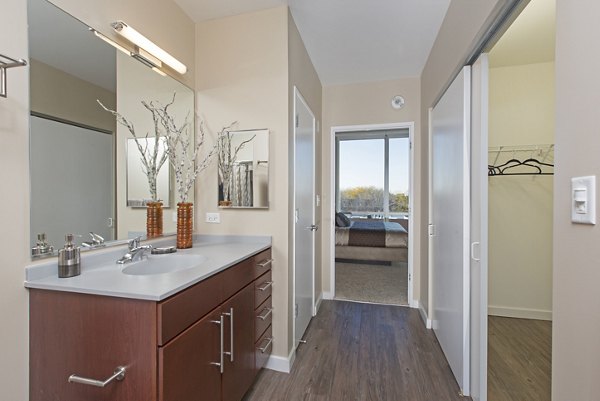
(313, 227)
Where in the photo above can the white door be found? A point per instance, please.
(479, 228)
(450, 268)
(304, 215)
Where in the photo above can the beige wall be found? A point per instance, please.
(302, 74)
(161, 21)
(521, 112)
(243, 76)
(576, 300)
(58, 94)
(462, 26)
(14, 214)
(360, 104)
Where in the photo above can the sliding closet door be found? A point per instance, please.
(479, 228)
(450, 124)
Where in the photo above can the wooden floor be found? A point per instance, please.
(363, 352)
(519, 359)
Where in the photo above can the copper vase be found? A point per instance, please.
(154, 219)
(185, 224)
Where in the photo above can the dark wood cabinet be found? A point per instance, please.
(187, 365)
(200, 344)
(238, 372)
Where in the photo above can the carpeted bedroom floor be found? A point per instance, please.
(372, 283)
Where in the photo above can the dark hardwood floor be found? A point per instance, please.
(363, 352)
(519, 359)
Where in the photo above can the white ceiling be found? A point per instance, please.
(530, 39)
(350, 41)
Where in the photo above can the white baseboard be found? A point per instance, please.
(414, 304)
(280, 363)
(521, 313)
(318, 304)
(327, 295)
(424, 316)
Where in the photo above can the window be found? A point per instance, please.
(372, 174)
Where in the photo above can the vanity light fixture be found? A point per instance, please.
(146, 44)
(110, 42)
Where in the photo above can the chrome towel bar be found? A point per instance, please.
(119, 374)
(6, 63)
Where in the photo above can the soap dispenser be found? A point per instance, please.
(69, 259)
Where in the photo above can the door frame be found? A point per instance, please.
(298, 95)
(332, 189)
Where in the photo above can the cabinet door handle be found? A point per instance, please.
(269, 341)
(220, 364)
(119, 374)
(265, 263)
(266, 315)
(230, 314)
(265, 286)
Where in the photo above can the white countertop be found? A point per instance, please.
(101, 275)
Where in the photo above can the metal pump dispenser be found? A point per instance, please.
(69, 259)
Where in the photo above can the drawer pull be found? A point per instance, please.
(230, 314)
(265, 286)
(265, 263)
(269, 341)
(266, 315)
(219, 364)
(119, 374)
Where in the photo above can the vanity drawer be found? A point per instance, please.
(262, 288)
(264, 347)
(262, 263)
(180, 311)
(264, 317)
(237, 277)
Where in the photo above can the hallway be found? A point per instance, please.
(363, 352)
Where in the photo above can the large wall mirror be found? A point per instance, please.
(243, 164)
(78, 153)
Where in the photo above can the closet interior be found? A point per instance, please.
(520, 178)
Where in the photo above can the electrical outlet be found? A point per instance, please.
(174, 217)
(213, 217)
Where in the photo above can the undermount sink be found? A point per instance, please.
(163, 264)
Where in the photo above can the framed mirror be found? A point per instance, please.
(78, 153)
(243, 169)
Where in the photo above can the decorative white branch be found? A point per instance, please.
(151, 162)
(183, 155)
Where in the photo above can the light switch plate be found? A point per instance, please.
(583, 200)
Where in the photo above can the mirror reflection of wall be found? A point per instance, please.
(244, 169)
(77, 147)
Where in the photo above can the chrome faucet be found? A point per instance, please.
(135, 249)
(97, 241)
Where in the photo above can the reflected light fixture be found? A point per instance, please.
(110, 42)
(146, 44)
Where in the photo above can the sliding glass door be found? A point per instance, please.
(372, 174)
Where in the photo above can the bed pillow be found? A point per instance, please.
(341, 220)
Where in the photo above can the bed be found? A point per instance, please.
(375, 240)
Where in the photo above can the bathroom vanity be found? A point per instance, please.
(176, 342)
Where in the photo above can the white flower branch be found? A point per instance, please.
(183, 155)
(151, 162)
